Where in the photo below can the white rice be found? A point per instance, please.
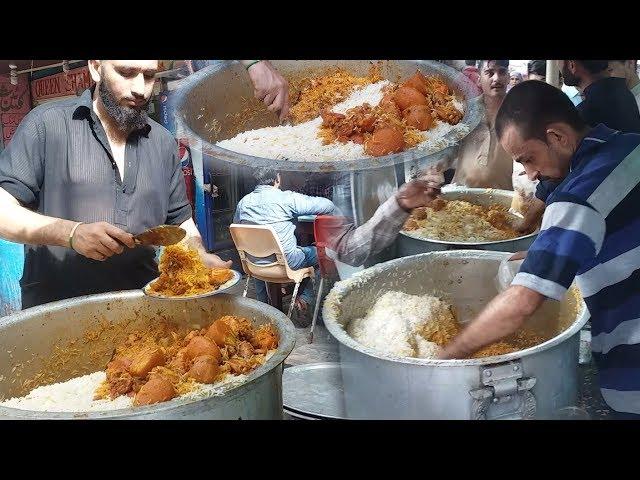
(394, 322)
(301, 142)
(76, 395)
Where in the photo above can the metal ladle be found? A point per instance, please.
(162, 235)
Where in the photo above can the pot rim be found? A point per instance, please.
(286, 343)
(345, 340)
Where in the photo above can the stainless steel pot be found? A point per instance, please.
(532, 383)
(217, 103)
(62, 340)
(408, 244)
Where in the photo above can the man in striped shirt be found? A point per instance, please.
(590, 232)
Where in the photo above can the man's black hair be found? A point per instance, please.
(470, 63)
(265, 176)
(531, 106)
(500, 63)
(537, 67)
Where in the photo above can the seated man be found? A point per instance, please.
(268, 205)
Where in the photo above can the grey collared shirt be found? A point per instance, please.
(59, 163)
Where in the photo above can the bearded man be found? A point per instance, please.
(82, 176)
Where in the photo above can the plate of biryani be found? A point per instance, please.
(184, 276)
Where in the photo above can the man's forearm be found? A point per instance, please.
(504, 315)
(21, 225)
(355, 245)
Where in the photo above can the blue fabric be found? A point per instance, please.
(11, 265)
(306, 292)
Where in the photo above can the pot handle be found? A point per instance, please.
(504, 385)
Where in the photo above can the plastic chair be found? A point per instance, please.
(261, 241)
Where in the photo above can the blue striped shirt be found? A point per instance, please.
(591, 232)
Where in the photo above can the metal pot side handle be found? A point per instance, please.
(504, 384)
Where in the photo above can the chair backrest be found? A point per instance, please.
(325, 228)
(260, 242)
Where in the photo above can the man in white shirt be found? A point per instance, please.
(573, 93)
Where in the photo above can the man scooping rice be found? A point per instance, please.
(590, 232)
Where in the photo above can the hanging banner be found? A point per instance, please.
(15, 103)
(60, 85)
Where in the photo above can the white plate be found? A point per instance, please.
(225, 286)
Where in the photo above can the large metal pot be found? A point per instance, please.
(532, 383)
(408, 244)
(217, 103)
(62, 340)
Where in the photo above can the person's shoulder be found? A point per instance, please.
(619, 146)
(52, 110)
(604, 159)
(290, 194)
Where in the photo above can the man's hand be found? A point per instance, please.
(518, 256)
(270, 87)
(502, 316)
(417, 193)
(211, 260)
(194, 240)
(101, 240)
(433, 175)
(532, 217)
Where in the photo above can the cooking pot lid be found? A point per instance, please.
(314, 390)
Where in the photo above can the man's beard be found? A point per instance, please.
(569, 78)
(126, 118)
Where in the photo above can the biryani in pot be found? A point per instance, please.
(160, 362)
(339, 115)
(417, 326)
(461, 221)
